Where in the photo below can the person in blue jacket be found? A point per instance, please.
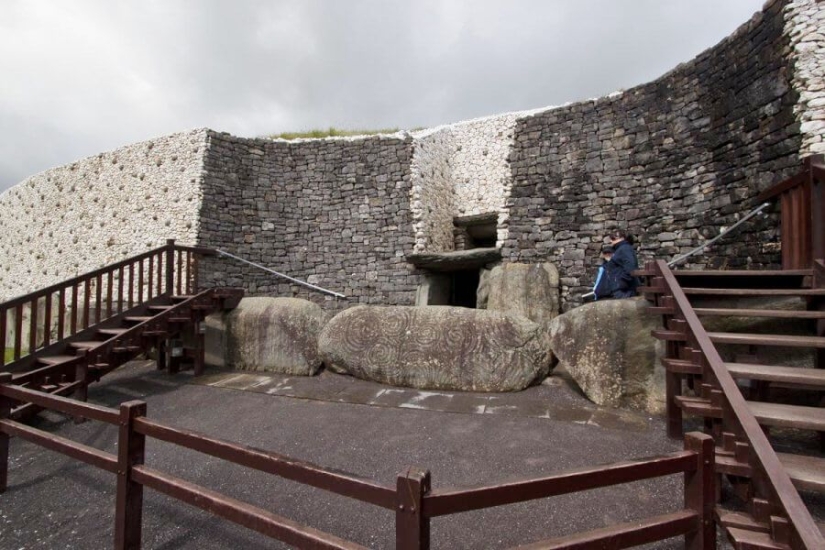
(607, 277)
(624, 258)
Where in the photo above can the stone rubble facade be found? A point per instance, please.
(79, 217)
(805, 25)
(674, 161)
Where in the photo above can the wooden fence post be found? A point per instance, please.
(412, 529)
(170, 266)
(129, 498)
(5, 411)
(700, 492)
(81, 374)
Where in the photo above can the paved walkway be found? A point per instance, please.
(55, 502)
(556, 399)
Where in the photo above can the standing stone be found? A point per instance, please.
(436, 347)
(606, 347)
(267, 334)
(531, 290)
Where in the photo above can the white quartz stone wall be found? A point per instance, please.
(805, 24)
(75, 218)
(432, 196)
(460, 169)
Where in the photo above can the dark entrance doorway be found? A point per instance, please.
(464, 285)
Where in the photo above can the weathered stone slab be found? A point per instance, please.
(267, 334)
(455, 261)
(531, 290)
(606, 347)
(436, 347)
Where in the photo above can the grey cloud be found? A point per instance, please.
(92, 75)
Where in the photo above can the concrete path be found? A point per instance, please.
(55, 502)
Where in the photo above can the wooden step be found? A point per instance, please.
(739, 520)
(788, 416)
(698, 406)
(727, 464)
(771, 373)
(742, 273)
(182, 297)
(127, 349)
(806, 472)
(160, 308)
(682, 366)
(112, 331)
(767, 339)
(85, 344)
(669, 335)
(138, 319)
(56, 359)
(745, 539)
(657, 310)
(754, 291)
(774, 313)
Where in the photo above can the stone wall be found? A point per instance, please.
(433, 194)
(333, 212)
(674, 162)
(805, 25)
(460, 169)
(79, 217)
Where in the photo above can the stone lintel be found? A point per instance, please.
(455, 261)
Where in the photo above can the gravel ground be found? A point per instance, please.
(55, 502)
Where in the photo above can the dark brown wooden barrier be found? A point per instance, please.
(691, 354)
(802, 206)
(102, 294)
(412, 499)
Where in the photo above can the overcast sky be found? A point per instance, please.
(78, 77)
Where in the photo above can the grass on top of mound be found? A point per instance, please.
(8, 355)
(331, 132)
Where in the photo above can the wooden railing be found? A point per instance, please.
(411, 498)
(34, 321)
(740, 429)
(802, 206)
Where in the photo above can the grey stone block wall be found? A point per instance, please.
(674, 161)
(333, 212)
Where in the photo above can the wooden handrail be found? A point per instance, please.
(102, 271)
(161, 272)
(303, 472)
(777, 477)
(453, 501)
(241, 513)
(784, 185)
(78, 279)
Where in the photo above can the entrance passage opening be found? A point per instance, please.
(464, 287)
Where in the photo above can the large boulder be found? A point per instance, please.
(606, 347)
(267, 334)
(531, 290)
(436, 347)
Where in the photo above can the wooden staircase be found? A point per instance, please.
(84, 328)
(758, 411)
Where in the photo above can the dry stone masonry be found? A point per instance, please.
(674, 161)
(76, 218)
(805, 25)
